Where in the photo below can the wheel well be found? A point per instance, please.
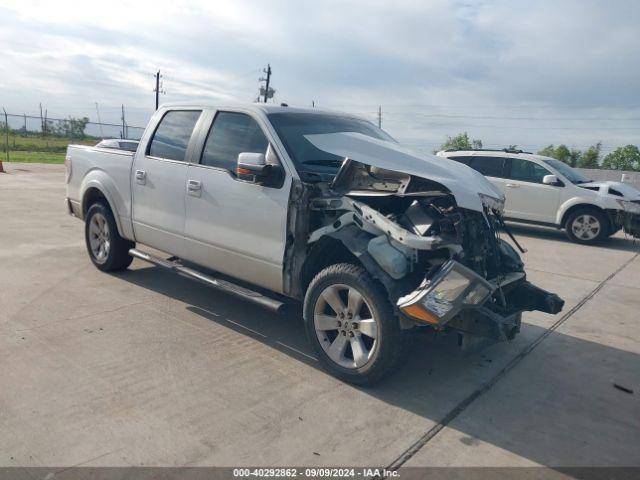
(581, 206)
(91, 196)
(326, 251)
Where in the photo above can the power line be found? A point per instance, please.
(515, 127)
(32, 117)
(498, 117)
(486, 105)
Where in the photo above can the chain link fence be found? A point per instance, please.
(33, 138)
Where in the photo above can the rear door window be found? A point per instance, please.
(232, 133)
(172, 136)
(488, 166)
(527, 171)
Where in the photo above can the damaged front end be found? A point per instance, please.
(442, 264)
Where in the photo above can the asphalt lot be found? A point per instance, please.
(147, 368)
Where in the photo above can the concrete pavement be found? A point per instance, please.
(147, 368)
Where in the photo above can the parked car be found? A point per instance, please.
(118, 144)
(545, 191)
(323, 208)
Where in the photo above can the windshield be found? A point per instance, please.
(574, 176)
(308, 159)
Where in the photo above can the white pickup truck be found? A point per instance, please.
(274, 203)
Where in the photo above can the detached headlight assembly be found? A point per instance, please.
(441, 298)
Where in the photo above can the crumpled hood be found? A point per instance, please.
(462, 181)
(629, 192)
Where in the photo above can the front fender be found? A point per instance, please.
(597, 201)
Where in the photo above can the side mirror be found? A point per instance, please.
(550, 180)
(252, 167)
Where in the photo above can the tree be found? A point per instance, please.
(461, 142)
(71, 127)
(562, 153)
(623, 158)
(591, 158)
(575, 157)
(548, 151)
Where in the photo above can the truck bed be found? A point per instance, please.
(108, 168)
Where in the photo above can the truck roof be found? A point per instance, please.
(257, 107)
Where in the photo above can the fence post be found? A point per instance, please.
(6, 139)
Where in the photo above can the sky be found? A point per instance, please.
(509, 72)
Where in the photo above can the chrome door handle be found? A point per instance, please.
(141, 177)
(512, 185)
(194, 187)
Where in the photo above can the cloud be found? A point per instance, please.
(521, 72)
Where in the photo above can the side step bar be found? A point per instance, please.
(238, 291)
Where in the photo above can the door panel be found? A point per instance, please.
(158, 207)
(527, 197)
(232, 226)
(531, 201)
(159, 183)
(235, 227)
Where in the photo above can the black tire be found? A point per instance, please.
(387, 353)
(117, 256)
(587, 238)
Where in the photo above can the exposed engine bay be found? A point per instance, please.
(443, 265)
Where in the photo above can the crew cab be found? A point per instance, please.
(275, 205)
(545, 191)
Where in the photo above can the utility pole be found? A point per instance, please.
(267, 92)
(99, 121)
(123, 124)
(158, 88)
(45, 121)
(380, 116)
(268, 79)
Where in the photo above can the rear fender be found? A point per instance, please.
(99, 180)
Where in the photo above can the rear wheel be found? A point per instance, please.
(587, 226)
(351, 325)
(107, 249)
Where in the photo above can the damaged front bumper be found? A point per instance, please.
(457, 297)
(630, 222)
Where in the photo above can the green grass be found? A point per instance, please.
(38, 149)
(37, 143)
(33, 157)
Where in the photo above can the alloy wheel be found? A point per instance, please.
(586, 227)
(99, 237)
(345, 326)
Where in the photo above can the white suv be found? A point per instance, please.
(546, 191)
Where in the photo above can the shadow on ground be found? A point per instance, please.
(437, 378)
(617, 242)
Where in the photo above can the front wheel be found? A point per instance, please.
(107, 249)
(587, 226)
(351, 325)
